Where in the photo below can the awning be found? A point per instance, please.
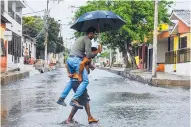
(4, 20)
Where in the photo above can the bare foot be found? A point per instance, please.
(68, 121)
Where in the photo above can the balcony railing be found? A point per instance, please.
(13, 15)
(179, 56)
(183, 55)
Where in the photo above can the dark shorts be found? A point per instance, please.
(84, 98)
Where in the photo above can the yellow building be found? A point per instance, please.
(173, 47)
(178, 39)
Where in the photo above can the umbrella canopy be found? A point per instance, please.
(101, 20)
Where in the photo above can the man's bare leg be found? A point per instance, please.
(90, 118)
(87, 108)
(72, 113)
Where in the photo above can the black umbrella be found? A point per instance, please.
(101, 20)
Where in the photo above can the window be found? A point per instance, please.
(3, 51)
(140, 52)
(171, 44)
(183, 42)
(19, 46)
(23, 49)
(14, 46)
(10, 47)
(136, 51)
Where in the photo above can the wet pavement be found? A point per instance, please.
(116, 102)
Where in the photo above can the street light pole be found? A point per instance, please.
(154, 64)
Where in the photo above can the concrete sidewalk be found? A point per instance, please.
(160, 75)
(10, 77)
(14, 74)
(163, 79)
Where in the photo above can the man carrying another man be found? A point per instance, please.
(83, 99)
(80, 49)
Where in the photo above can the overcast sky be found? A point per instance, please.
(61, 11)
(65, 13)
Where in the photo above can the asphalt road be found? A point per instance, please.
(116, 102)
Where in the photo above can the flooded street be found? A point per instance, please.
(116, 102)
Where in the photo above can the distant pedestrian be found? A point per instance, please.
(26, 56)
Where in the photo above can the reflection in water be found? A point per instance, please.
(45, 98)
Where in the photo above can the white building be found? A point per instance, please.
(13, 13)
(30, 43)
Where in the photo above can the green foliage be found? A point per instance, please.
(55, 43)
(33, 25)
(139, 17)
(104, 54)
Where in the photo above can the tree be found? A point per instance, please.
(59, 47)
(34, 27)
(139, 17)
(104, 54)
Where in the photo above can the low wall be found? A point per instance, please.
(183, 69)
(169, 68)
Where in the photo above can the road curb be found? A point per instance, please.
(150, 81)
(13, 77)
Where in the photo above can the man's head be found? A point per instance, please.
(91, 32)
(94, 49)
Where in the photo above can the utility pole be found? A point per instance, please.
(46, 34)
(110, 58)
(154, 64)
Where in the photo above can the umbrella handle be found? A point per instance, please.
(98, 28)
(100, 46)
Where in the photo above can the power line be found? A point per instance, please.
(42, 31)
(32, 9)
(54, 6)
(34, 12)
